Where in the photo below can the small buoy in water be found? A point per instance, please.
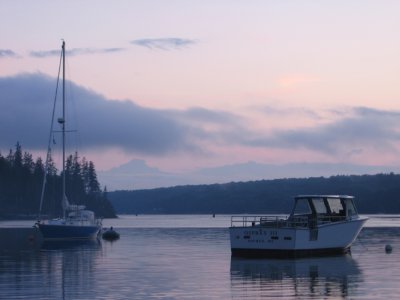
(110, 235)
(388, 248)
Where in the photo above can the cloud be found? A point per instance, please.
(160, 43)
(200, 115)
(364, 128)
(210, 126)
(26, 103)
(75, 52)
(7, 53)
(164, 43)
(25, 110)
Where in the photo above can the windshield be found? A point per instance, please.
(319, 205)
(335, 205)
(351, 210)
(302, 207)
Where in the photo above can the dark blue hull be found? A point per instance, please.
(68, 232)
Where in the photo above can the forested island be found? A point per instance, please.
(373, 194)
(21, 179)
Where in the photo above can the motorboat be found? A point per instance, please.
(317, 225)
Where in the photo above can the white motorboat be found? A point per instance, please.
(317, 225)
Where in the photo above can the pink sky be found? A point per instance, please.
(280, 69)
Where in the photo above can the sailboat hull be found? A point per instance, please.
(68, 232)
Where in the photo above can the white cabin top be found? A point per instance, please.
(324, 205)
(325, 196)
(82, 214)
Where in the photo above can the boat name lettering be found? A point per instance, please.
(256, 241)
(255, 232)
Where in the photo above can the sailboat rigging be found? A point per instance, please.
(76, 222)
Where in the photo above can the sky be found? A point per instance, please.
(199, 84)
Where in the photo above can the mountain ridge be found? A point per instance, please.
(137, 174)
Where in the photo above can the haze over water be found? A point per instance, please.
(188, 257)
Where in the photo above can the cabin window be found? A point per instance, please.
(319, 205)
(350, 208)
(302, 207)
(335, 205)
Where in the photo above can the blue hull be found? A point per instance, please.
(68, 232)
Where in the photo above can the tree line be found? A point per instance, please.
(373, 194)
(21, 180)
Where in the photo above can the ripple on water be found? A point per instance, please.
(195, 263)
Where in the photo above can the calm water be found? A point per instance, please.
(188, 257)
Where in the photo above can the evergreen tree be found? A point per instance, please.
(38, 169)
(21, 182)
(51, 167)
(17, 161)
(94, 186)
(27, 162)
(10, 157)
(85, 174)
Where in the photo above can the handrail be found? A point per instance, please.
(246, 221)
(304, 221)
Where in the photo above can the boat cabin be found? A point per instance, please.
(322, 209)
(309, 211)
(83, 215)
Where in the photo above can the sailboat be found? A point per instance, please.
(76, 222)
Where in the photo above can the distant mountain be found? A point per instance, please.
(136, 174)
(137, 166)
(257, 171)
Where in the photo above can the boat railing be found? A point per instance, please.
(305, 221)
(268, 221)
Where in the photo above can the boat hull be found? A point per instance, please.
(110, 235)
(276, 253)
(328, 239)
(68, 232)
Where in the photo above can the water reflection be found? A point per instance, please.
(71, 245)
(15, 240)
(70, 266)
(191, 263)
(51, 270)
(292, 278)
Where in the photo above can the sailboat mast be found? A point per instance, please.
(63, 127)
(48, 155)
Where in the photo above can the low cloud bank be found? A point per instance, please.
(26, 101)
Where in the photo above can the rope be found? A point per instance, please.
(48, 155)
